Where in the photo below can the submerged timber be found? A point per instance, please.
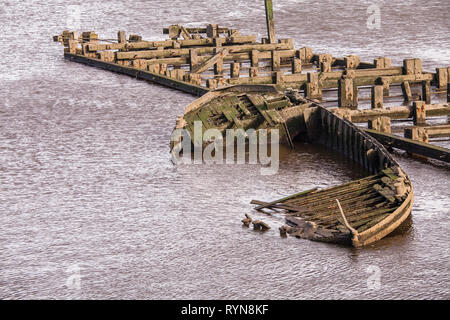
(371, 208)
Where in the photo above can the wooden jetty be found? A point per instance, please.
(202, 59)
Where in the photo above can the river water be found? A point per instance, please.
(92, 207)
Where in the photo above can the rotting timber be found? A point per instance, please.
(372, 207)
(269, 84)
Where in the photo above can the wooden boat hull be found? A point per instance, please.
(372, 207)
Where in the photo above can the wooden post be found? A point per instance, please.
(426, 91)
(412, 66)
(352, 62)
(154, 68)
(193, 59)
(325, 66)
(276, 60)
(193, 78)
(305, 54)
(212, 31)
(107, 56)
(383, 63)
(163, 68)
(278, 77)
(385, 82)
(218, 66)
(347, 93)
(325, 61)
(134, 38)
(313, 87)
(73, 45)
(253, 73)
(255, 58)
(377, 97)
(174, 32)
(296, 65)
(382, 124)
(212, 83)
(407, 93)
(235, 70)
(270, 22)
(417, 134)
(441, 78)
(121, 37)
(419, 113)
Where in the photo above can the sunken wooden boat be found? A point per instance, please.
(357, 213)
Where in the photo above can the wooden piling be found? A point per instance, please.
(253, 72)
(325, 62)
(412, 66)
(382, 124)
(296, 65)
(193, 59)
(377, 97)
(305, 54)
(235, 70)
(276, 60)
(419, 113)
(407, 93)
(121, 37)
(347, 93)
(278, 77)
(441, 79)
(386, 83)
(218, 66)
(212, 84)
(270, 21)
(254, 59)
(313, 87)
(73, 45)
(426, 91)
(352, 62)
(383, 63)
(212, 30)
(416, 134)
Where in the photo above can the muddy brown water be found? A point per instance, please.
(92, 207)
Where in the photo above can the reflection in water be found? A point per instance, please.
(86, 181)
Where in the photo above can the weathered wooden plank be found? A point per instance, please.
(409, 145)
(149, 54)
(210, 62)
(400, 112)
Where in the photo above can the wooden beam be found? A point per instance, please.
(411, 146)
(185, 34)
(400, 112)
(210, 62)
(149, 54)
(169, 43)
(140, 74)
